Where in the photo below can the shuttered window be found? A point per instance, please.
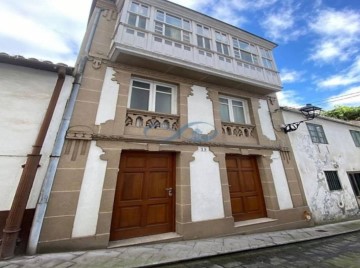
(356, 137)
(355, 183)
(332, 179)
(317, 133)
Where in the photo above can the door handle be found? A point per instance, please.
(169, 190)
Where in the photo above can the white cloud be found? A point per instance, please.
(349, 97)
(44, 29)
(230, 11)
(289, 98)
(339, 35)
(281, 24)
(194, 4)
(347, 77)
(290, 76)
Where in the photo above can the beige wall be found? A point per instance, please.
(113, 136)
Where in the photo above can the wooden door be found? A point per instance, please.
(144, 197)
(247, 200)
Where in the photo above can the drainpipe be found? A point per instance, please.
(58, 146)
(16, 213)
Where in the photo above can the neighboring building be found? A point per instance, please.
(172, 134)
(26, 86)
(327, 152)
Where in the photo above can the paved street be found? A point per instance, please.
(339, 251)
(272, 249)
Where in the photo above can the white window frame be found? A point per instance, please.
(161, 24)
(266, 58)
(221, 41)
(238, 48)
(231, 111)
(138, 15)
(152, 94)
(203, 33)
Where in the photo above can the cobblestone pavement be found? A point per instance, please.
(170, 252)
(339, 251)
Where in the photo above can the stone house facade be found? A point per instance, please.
(172, 135)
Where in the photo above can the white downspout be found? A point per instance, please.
(59, 143)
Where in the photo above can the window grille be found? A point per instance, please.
(332, 179)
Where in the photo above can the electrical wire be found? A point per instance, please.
(337, 98)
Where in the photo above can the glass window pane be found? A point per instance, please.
(141, 84)
(173, 20)
(144, 10)
(218, 47)
(139, 99)
(160, 15)
(186, 37)
(207, 43)
(236, 53)
(224, 112)
(224, 38)
(246, 56)
(226, 49)
(172, 32)
(206, 31)
(186, 25)
(218, 36)
(244, 45)
(199, 29)
(263, 52)
(159, 27)
(225, 101)
(163, 103)
(142, 23)
(267, 63)
(132, 19)
(255, 59)
(235, 43)
(239, 116)
(200, 41)
(163, 89)
(134, 7)
(237, 103)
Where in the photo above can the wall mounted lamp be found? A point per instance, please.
(309, 112)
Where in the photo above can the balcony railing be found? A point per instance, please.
(239, 131)
(142, 119)
(184, 53)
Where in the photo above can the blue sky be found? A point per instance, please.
(319, 40)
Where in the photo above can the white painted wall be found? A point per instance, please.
(280, 182)
(200, 111)
(313, 158)
(87, 211)
(24, 97)
(205, 183)
(108, 99)
(266, 123)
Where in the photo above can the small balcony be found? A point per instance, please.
(144, 49)
(150, 124)
(239, 133)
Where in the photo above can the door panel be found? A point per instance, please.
(247, 201)
(143, 205)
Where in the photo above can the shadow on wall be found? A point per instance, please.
(22, 240)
